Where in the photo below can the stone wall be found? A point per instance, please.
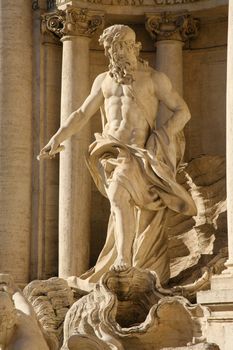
(205, 90)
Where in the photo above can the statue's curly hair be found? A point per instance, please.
(119, 32)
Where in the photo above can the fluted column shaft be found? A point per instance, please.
(15, 137)
(47, 57)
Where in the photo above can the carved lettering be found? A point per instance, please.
(173, 2)
(134, 2)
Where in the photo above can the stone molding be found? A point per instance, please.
(172, 26)
(174, 2)
(134, 2)
(73, 21)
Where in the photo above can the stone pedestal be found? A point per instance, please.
(219, 301)
(130, 310)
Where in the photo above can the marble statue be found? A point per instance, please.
(19, 327)
(132, 162)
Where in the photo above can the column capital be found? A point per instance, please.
(72, 21)
(172, 26)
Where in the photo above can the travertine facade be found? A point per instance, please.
(16, 134)
(45, 73)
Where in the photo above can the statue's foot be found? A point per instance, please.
(120, 264)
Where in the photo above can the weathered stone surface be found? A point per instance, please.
(133, 161)
(19, 327)
(50, 300)
(130, 310)
(199, 243)
(16, 138)
(202, 346)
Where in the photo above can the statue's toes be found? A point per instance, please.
(119, 266)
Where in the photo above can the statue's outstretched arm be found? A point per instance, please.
(77, 119)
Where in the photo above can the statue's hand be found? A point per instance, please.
(50, 150)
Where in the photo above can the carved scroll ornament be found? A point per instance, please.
(72, 21)
(169, 26)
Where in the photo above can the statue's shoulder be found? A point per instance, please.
(101, 77)
(154, 74)
(97, 85)
(159, 79)
(157, 75)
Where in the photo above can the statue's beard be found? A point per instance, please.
(122, 69)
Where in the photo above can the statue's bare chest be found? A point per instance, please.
(112, 89)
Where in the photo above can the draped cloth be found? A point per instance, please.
(149, 175)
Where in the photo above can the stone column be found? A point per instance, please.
(219, 299)
(47, 57)
(15, 137)
(75, 26)
(170, 31)
(49, 173)
(169, 59)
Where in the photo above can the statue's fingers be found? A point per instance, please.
(57, 149)
(52, 152)
(46, 149)
(44, 153)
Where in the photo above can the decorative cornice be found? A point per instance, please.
(135, 3)
(174, 2)
(72, 21)
(170, 26)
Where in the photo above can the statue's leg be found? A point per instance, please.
(123, 211)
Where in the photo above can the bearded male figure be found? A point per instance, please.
(132, 163)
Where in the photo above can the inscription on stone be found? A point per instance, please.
(134, 2)
(173, 2)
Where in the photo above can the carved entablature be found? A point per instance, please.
(174, 2)
(72, 21)
(170, 26)
(134, 2)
